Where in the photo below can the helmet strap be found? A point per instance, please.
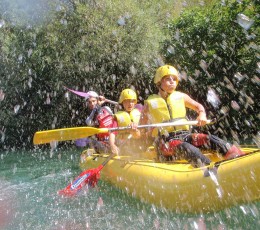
(159, 86)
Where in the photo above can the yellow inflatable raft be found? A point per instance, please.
(177, 185)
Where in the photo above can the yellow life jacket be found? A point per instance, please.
(124, 118)
(160, 110)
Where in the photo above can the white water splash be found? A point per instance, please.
(213, 177)
(203, 65)
(2, 95)
(121, 21)
(2, 23)
(16, 108)
(30, 82)
(244, 21)
(258, 67)
(2, 136)
(48, 100)
(256, 139)
(235, 105)
(53, 144)
(171, 49)
(213, 98)
(239, 77)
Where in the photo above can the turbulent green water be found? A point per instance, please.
(29, 200)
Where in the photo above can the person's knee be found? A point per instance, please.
(168, 148)
(193, 155)
(233, 152)
(200, 139)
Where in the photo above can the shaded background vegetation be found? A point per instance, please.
(107, 46)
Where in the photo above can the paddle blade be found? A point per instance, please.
(88, 177)
(48, 136)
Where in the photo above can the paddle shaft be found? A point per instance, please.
(83, 94)
(108, 159)
(111, 102)
(158, 125)
(65, 134)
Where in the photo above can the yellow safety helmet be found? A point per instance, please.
(127, 94)
(164, 71)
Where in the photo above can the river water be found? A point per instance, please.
(29, 181)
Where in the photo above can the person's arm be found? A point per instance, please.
(101, 100)
(134, 131)
(144, 120)
(196, 106)
(90, 119)
(112, 140)
(144, 115)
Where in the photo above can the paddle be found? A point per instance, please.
(86, 95)
(88, 177)
(65, 134)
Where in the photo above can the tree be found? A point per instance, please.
(216, 49)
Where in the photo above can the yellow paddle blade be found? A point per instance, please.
(43, 137)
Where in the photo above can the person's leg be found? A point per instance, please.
(233, 152)
(83, 142)
(191, 154)
(183, 150)
(213, 142)
(100, 146)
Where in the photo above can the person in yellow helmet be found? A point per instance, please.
(129, 116)
(178, 142)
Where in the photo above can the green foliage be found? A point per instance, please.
(84, 45)
(107, 46)
(215, 52)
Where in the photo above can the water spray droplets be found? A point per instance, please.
(235, 105)
(100, 204)
(203, 64)
(113, 77)
(2, 95)
(64, 22)
(16, 109)
(48, 100)
(239, 77)
(2, 135)
(14, 169)
(171, 50)
(30, 52)
(2, 23)
(213, 98)
(133, 70)
(30, 82)
(256, 139)
(244, 209)
(214, 178)
(121, 21)
(258, 67)
(67, 96)
(59, 8)
(244, 21)
(177, 35)
(20, 58)
(53, 145)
